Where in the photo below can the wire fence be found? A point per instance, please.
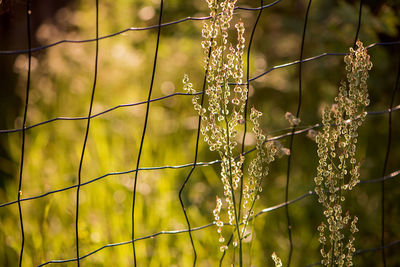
(291, 133)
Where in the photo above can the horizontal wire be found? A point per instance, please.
(157, 168)
(377, 248)
(387, 177)
(390, 110)
(129, 242)
(314, 58)
(97, 114)
(263, 211)
(362, 251)
(384, 178)
(289, 133)
(185, 94)
(112, 174)
(24, 51)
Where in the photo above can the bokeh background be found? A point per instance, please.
(61, 83)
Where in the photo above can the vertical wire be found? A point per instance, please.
(389, 143)
(144, 129)
(245, 121)
(292, 137)
(359, 24)
(195, 161)
(28, 24)
(246, 108)
(86, 136)
(247, 96)
(223, 253)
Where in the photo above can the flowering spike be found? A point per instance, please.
(338, 169)
(225, 113)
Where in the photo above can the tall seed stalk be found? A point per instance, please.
(222, 115)
(338, 170)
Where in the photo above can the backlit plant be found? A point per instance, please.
(221, 117)
(226, 97)
(338, 170)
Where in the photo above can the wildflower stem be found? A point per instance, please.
(229, 154)
(338, 169)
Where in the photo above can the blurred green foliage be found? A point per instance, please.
(62, 78)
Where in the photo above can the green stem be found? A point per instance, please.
(231, 184)
(229, 154)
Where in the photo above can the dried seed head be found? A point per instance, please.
(276, 259)
(338, 168)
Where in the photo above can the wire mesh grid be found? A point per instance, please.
(288, 133)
